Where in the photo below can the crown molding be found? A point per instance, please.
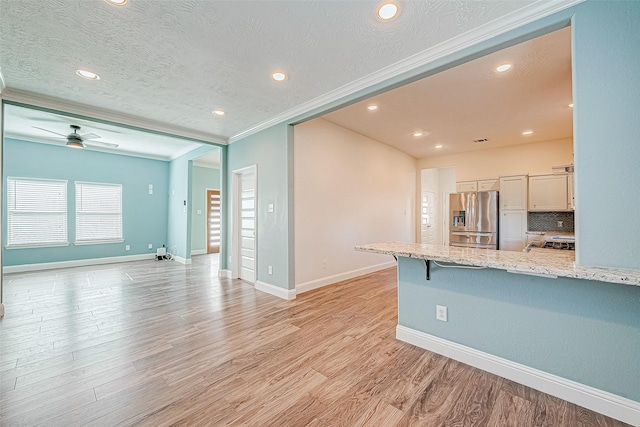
(519, 18)
(109, 116)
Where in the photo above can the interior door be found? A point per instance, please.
(213, 221)
(247, 222)
(428, 218)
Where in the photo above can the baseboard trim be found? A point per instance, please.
(199, 252)
(601, 401)
(181, 260)
(330, 280)
(225, 274)
(74, 263)
(277, 291)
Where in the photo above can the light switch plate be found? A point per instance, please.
(270, 208)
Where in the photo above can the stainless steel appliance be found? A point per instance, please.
(551, 241)
(473, 220)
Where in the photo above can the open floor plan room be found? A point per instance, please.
(160, 343)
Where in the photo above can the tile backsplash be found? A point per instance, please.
(548, 221)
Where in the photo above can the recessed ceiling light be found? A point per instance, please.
(372, 107)
(418, 134)
(219, 112)
(117, 2)
(279, 76)
(527, 132)
(502, 68)
(571, 105)
(87, 75)
(387, 11)
(438, 146)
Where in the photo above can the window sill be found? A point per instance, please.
(36, 245)
(97, 242)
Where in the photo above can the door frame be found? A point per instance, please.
(236, 220)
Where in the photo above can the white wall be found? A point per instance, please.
(533, 159)
(348, 190)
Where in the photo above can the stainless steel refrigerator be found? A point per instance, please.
(473, 220)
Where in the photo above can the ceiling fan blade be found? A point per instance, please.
(100, 143)
(90, 136)
(50, 131)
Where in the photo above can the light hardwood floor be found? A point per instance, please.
(158, 343)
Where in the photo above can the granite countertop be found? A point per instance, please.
(538, 261)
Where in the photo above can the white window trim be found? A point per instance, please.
(39, 245)
(100, 241)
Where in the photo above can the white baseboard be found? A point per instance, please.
(606, 403)
(75, 263)
(330, 280)
(181, 260)
(225, 274)
(199, 252)
(277, 291)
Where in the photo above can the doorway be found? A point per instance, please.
(244, 223)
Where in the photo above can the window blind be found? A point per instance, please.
(36, 212)
(98, 212)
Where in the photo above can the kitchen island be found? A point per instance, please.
(538, 261)
(567, 330)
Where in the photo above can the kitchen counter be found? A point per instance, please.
(548, 262)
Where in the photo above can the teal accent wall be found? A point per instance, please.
(606, 96)
(180, 198)
(203, 179)
(582, 330)
(271, 150)
(144, 215)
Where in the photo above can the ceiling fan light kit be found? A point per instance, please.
(75, 140)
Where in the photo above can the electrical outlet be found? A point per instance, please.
(127, 247)
(270, 269)
(150, 246)
(324, 264)
(560, 224)
(441, 313)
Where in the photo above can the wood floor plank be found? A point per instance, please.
(512, 411)
(159, 343)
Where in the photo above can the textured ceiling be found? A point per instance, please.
(175, 61)
(472, 101)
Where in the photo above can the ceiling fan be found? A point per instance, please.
(75, 140)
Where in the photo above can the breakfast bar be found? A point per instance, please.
(536, 318)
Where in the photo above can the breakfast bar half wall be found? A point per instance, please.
(526, 317)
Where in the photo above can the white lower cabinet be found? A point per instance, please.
(513, 230)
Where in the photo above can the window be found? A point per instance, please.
(36, 212)
(98, 213)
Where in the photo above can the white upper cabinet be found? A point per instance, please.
(571, 196)
(513, 192)
(489, 185)
(548, 193)
(466, 186)
(481, 185)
